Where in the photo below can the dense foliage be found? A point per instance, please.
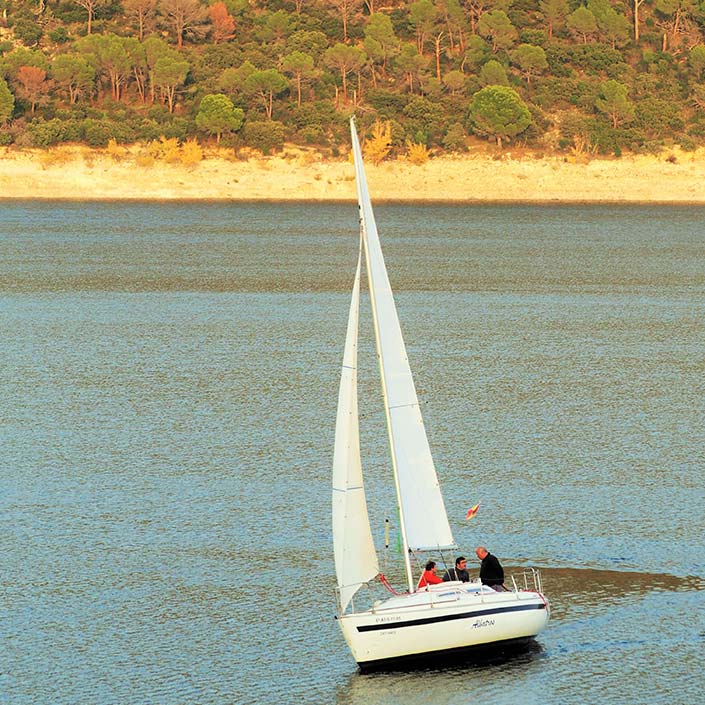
(604, 75)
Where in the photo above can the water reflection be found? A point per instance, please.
(435, 682)
(572, 591)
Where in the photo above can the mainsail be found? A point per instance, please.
(355, 557)
(423, 515)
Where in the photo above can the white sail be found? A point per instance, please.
(422, 511)
(355, 556)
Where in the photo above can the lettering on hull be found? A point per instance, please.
(447, 618)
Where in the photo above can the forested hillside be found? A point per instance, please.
(604, 76)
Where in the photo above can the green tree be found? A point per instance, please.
(265, 136)
(7, 102)
(455, 138)
(498, 112)
(265, 85)
(108, 55)
(499, 28)
(477, 52)
(555, 13)
(300, 67)
(28, 31)
(530, 59)
(232, 80)
(73, 74)
(696, 59)
(273, 28)
(422, 15)
(137, 57)
(309, 42)
(346, 59)
(582, 23)
(612, 27)
(217, 114)
(614, 103)
(493, 74)
(380, 41)
(424, 119)
(156, 48)
(452, 14)
(454, 81)
(10, 63)
(169, 74)
(411, 64)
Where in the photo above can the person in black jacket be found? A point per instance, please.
(460, 572)
(491, 571)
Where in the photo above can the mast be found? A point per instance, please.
(363, 198)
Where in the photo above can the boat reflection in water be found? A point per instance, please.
(442, 679)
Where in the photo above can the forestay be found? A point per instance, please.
(422, 509)
(355, 557)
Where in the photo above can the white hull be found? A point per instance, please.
(448, 617)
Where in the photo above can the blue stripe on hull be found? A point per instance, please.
(449, 617)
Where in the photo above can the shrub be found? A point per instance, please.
(313, 135)
(387, 103)
(191, 153)
(96, 132)
(424, 119)
(28, 31)
(455, 139)
(658, 118)
(144, 159)
(417, 152)
(265, 136)
(51, 132)
(536, 37)
(377, 147)
(164, 149)
(115, 151)
(59, 35)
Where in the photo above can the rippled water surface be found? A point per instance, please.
(167, 399)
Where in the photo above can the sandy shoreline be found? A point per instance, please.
(80, 173)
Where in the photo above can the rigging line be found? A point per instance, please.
(401, 406)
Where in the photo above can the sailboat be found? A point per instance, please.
(436, 620)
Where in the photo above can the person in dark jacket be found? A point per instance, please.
(491, 571)
(460, 572)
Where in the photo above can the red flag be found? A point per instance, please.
(472, 511)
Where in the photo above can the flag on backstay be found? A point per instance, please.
(472, 511)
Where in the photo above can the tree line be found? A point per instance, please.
(599, 76)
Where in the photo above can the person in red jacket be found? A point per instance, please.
(429, 577)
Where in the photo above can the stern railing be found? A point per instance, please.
(529, 581)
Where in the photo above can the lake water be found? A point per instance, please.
(168, 384)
